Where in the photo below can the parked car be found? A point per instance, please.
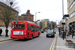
(50, 33)
(42, 31)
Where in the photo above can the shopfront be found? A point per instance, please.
(72, 26)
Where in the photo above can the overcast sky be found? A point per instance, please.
(49, 9)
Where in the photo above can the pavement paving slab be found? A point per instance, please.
(61, 44)
(3, 38)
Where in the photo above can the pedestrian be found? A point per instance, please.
(6, 32)
(59, 31)
(72, 32)
(0, 32)
(69, 33)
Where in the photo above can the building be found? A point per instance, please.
(3, 6)
(45, 23)
(26, 16)
(71, 11)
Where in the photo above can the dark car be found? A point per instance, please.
(54, 31)
(50, 33)
(42, 31)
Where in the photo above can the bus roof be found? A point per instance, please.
(32, 23)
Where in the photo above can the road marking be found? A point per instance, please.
(53, 44)
(7, 40)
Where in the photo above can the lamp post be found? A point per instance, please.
(63, 23)
(62, 7)
(7, 21)
(36, 14)
(11, 3)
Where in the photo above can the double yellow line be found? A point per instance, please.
(7, 40)
(53, 44)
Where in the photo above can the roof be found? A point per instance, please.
(4, 5)
(27, 14)
(27, 22)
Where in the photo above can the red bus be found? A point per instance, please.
(24, 30)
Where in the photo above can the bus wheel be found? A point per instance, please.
(38, 35)
(31, 36)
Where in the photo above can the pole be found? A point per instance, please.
(35, 16)
(62, 7)
(63, 15)
(63, 32)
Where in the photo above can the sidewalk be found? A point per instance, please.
(61, 44)
(3, 38)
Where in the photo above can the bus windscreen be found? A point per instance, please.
(18, 26)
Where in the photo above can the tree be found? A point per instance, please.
(6, 13)
(53, 25)
(14, 5)
(49, 25)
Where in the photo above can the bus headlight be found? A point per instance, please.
(25, 33)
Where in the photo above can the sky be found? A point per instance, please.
(49, 9)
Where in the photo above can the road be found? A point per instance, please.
(38, 43)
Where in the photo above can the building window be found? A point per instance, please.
(69, 0)
(25, 18)
(73, 14)
(12, 20)
(72, 5)
(16, 14)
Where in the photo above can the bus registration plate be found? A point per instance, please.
(18, 32)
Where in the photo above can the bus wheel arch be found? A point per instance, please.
(38, 34)
(32, 36)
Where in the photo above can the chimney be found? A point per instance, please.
(28, 12)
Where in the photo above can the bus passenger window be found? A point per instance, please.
(32, 29)
(18, 26)
(27, 26)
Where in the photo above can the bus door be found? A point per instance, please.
(28, 30)
(33, 32)
(36, 32)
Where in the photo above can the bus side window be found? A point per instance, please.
(31, 28)
(27, 26)
(37, 28)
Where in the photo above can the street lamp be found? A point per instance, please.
(63, 23)
(11, 3)
(36, 14)
(63, 7)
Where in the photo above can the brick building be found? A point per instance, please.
(3, 6)
(26, 16)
